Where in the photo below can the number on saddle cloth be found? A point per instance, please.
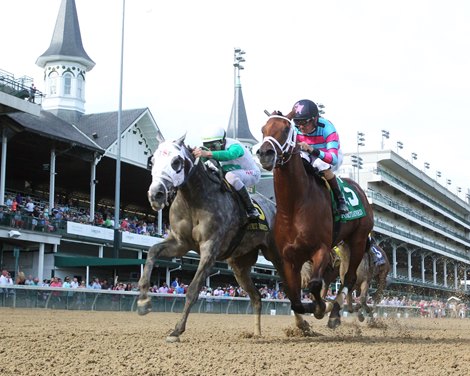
(355, 205)
(377, 255)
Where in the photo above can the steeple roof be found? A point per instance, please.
(66, 43)
(238, 115)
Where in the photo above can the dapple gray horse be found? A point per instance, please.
(205, 218)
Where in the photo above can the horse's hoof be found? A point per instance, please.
(319, 315)
(144, 307)
(360, 317)
(334, 323)
(172, 339)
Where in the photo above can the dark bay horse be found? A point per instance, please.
(304, 229)
(374, 266)
(206, 218)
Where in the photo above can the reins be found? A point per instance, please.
(287, 149)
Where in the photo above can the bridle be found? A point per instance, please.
(168, 175)
(285, 151)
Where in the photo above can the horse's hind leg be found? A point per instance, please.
(241, 270)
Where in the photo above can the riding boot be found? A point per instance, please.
(251, 211)
(342, 207)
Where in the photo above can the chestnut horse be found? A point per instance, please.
(304, 222)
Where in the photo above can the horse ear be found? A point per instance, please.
(180, 141)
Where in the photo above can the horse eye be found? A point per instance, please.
(177, 164)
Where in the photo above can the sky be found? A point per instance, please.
(401, 66)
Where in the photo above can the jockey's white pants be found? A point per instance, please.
(240, 178)
(320, 164)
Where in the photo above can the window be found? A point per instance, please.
(67, 84)
(53, 83)
(80, 87)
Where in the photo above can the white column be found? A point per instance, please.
(445, 273)
(434, 272)
(100, 251)
(92, 190)
(423, 271)
(456, 278)
(3, 170)
(394, 259)
(52, 180)
(41, 262)
(139, 256)
(409, 265)
(160, 223)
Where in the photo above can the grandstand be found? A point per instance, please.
(64, 161)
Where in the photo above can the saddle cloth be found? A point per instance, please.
(355, 205)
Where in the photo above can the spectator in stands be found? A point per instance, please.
(175, 283)
(96, 285)
(67, 283)
(29, 206)
(29, 281)
(163, 289)
(45, 212)
(180, 289)
(125, 224)
(74, 284)
(55, 282)
(108, 223)
(14, 205)
(9, 202)
(105, 285)
(5, 281)
(19, 199)
(32, 93)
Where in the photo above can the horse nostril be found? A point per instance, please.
(159, 195)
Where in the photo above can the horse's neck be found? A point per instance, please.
(292, 184)
(197, 187)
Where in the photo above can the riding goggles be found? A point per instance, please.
(300, 122)
(214, 145)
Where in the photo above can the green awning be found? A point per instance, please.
(77, 261)
(72, 261)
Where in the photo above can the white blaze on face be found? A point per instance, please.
(162, 170)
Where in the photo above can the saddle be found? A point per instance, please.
(215, 172)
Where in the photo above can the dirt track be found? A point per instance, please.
(39, 342)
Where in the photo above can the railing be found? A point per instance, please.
(420, 239)
(126, 301)
(411, 212)
(421, 195)
(19, 87)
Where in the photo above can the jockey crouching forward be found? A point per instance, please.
(237, 163)
(319, 142)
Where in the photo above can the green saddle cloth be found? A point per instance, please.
(355, 205)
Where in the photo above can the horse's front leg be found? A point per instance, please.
(170, 248)
(320, 262)
(293, 286)
(206, 262)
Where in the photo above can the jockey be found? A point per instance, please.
(319, 142)
(237, 163)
